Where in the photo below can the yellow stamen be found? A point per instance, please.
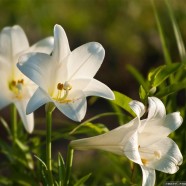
(144, 161)
(63, 90)
(16, 87)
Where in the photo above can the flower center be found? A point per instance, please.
(16, 87)
(63, 91)
(148, 154)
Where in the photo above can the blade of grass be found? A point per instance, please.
(179, 40)
(162, 36)
(138, 77)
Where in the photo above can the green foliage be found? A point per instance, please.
(123, 101)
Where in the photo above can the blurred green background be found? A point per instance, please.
(126, 29)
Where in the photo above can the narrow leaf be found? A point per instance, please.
(179, 40)
(163, 73)
(41, 161)
(61, 169)
(81, 181)
(123, 101)
(137, 75)
(171, 89)
(4, 123)
(162, 36)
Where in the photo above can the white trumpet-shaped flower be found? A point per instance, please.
(15, 87)
(65, 78)
(143, 141)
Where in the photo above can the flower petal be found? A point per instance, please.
(74, 109)
(149, 176)
(113, 141)
(28, 120)
(38, 99)
(12, 41)
(169, 156)
(84, 61)
(61, 45)
(162, 127)
(37, 67)
(43, 46)
(131, 147)
(97, 88)
(5, 94)
(156, 108)
(137, 107)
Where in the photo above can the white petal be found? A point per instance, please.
(113, 141)
(170, 156)
(97, 88)
(37, 67)
(173, 121)
(137, 107)
(85, 60)
(44, 46)
(61, 45)
(28, 120)
(131, 148)
(5, 94)
(75, 109)
(156, 108)
(162, 127)
(38, 99)
(12, 41)
(149, 176)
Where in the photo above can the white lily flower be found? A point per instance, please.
(65, 78)
(15, 87)
(143, 141)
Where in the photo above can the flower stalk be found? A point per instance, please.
(13, 123)
(49, 109)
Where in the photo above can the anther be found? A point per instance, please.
(13, 83)
(144, 161)
(60, 86)
(21, 81)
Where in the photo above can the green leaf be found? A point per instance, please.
(5, 181)
(160, 74)
(162, 35)
(179, 40)
(137, 75)
(123, 101)
(28, 157)
(92, 119)
(61, 169)
(81, 181)
(99, 128)
(153, 72)
(41, 161)
(43, 171)
(142, 93)
(4, 123)
(171, 89)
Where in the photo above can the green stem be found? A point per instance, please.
(14, 123)
(70, 154)
(49, 145)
